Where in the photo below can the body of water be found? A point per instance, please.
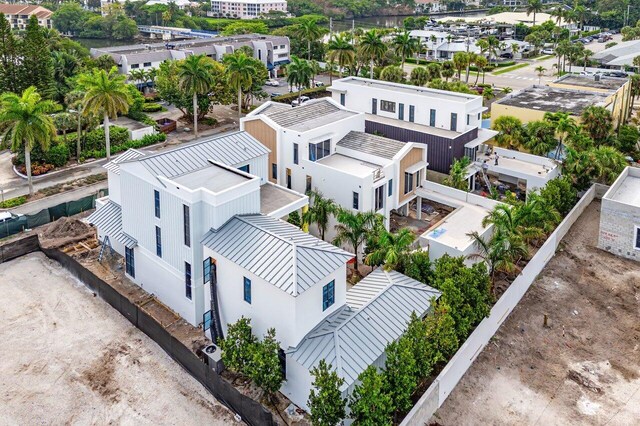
(391, 21)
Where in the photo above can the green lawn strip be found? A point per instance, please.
(505, 70)
(543, 57)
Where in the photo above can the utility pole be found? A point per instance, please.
(330, 28)
(353, 29)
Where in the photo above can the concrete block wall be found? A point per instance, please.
(618, 224)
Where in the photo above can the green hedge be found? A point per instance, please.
(140, 143)
(289, 97)
(58, 155)
(13, 202)
(95, 139)
(151, 107)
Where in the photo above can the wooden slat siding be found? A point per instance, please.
(441, 150)
(412, 157)
(268, 137)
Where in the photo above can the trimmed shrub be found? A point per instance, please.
(58, 155)
(13, 202)
(95, 140)
(151, 107)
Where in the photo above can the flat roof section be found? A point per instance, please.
(274, 198)
(553, 99)
(628, 191)
(213, 178)
(515, 164)
(603, 82)
(350, 165)
(437, 131)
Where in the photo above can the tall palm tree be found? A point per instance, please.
(558, 12)
(105, 93)
(240, 72)
(196, 77)
(481, 64)
(534, 6)
(501, 253)
(372, 47)
(448, 70)
(299, 73)
(341, 51)
(511, 131)
(597, 122)
(586, 54)
(308, 30)
(563, 125)
(540, 70)
(405, 46)
(27, 122)
(392, 249)
(319, 212)
(353, 228)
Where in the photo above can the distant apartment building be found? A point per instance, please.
(18, 15)
(246, 9)
(322, 146)
(448, 123)
(273, 51)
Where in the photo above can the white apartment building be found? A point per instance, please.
(160, 206)
(321, 145)
(448, 123)
(198, 227)
(273, 51)
(246, 9)
(18, 15)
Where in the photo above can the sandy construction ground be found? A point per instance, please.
(582, 370)
(67, 357)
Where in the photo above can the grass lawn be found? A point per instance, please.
(508, 69)
(543, 57)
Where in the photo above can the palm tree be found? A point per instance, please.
(501, 253)
(138, 76)
(105, 93)
(458, 174)
(448, 70)
(341, 51)
(563, 124)
(353, 228)
(320, 211)
(434, 69)
(493, 44)
(419, 76)
(405, 46)
(308, 30)
(372, 47)
(392, 249)
(460, 62)
(481, 64)
(597, 122)
(534, 6)
(540, 70)
(299, 73)
(196, 77)
(559, 12)
(240, 71)
(586, 54)
(511, 131)
(27, 122)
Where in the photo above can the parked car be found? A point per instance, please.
(303, 99)
(274, 95)
(7, 216)
(507, 55)
(619, 74)
(272, 82)
(548, 51)
(317, 83)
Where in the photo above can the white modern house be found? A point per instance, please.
(160, 205)
(620, 216)
(441, 45)
(448, 123)
(323, 146)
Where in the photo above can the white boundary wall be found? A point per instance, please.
(449, 377)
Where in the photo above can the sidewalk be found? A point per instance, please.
(63, 197)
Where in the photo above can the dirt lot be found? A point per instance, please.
(584, 369)
(68, 357)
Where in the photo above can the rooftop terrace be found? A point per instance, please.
(214, 178)
(552, 99)
(349, 165)
(626, 189)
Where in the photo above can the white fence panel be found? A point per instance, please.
(449, 377)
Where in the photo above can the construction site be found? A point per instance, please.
(580, 368)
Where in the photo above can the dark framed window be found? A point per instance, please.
(412, 113)
(387, 106)
(401, 112)
(390, 187)
(135, 66)
(468, 119)
(147, 64)
(454, 121)
(186, 219)
(356, 201)
(244, 168)
(432, 118)
(637, 246)
(379, 198)
(158, 241)
(206, 270)
(247, 290)
(319, 150)
(156, 202)
(129, 262)
(288, 178)
(295, 153)
(342, 98)
(187, 280)
(274, 171)
(408, 182)
(328, 295)
(417, 178)
(374, 106)
(308, 185)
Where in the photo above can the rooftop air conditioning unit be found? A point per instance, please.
(213, 358)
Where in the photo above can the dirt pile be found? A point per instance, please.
(64, 231)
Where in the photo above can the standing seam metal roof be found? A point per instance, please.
(309, 115)
(355, 336)
(130, 154)
(229, 149)
(276, 251)
(371, 144)
(108, 219)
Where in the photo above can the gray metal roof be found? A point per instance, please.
(273, 107)
(276, 251)
(130, 154)
(108, 219)
(371, 144)
(310, 115)
(231, 149)
(356, 335)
